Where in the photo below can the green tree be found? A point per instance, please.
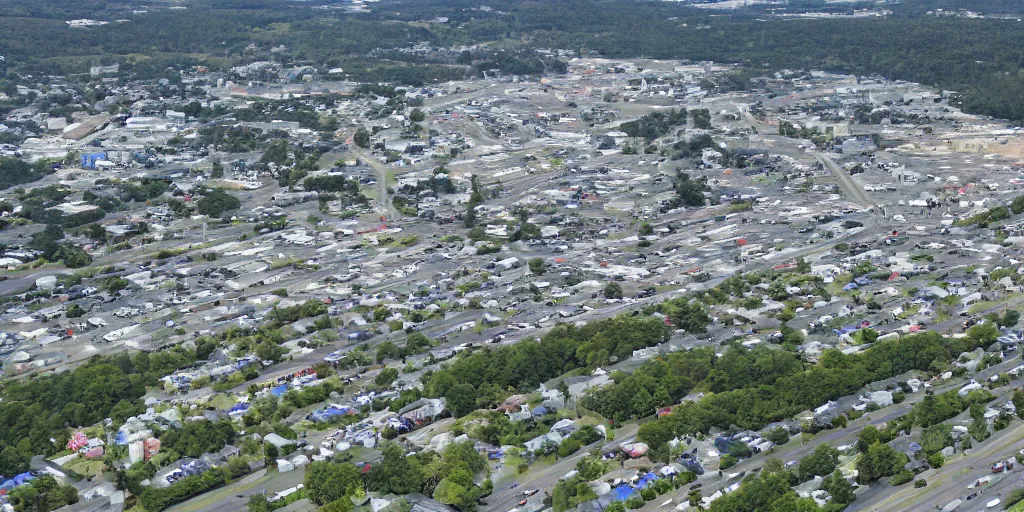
(361, 137)
(331, 481)
(778, 435)
(217, 170)
(395, 473)
(341, 505)
(868, 436)
(613, 290)
(820, 463)
(217, 202)
(837, 487)
(879, 461)
(537, 266)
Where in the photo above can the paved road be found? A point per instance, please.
(507, 497)
(227, 497)
(383, 201)
(849, 187)
(799, 448)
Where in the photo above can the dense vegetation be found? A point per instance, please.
(196, 438)
(655, 124)
(483, 379)
(17, 172)
(835, 376)
(664, 381)
(981, 58)
(34, 411)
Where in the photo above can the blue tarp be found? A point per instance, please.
(279, 390)
(540, 410)
(622, 492)
(850, 286)
(240, 407)
(648, 479)
(122, 438)
(328, 413)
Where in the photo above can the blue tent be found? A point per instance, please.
(622, 492)
(540, 410)
(850, 286)
(328, 413)
(648, 479)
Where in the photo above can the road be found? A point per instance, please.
(507, 497)
(799, 448)
(846, 183)
(235, 495)
(382, 180)
(956, 479)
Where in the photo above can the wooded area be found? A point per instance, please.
(981, 58)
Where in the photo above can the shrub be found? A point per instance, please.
(901, 478)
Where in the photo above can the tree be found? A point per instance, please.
(837, 487)
(613, 290)
(75, 311)
(395, 473)
(361, 137)
(217, 170)
(450, 493)
(936, 437)
(537, 266)
(73, 257)
(330, 481)
(341, 505)
(417, 115)
(868, 436)
(216, 202)
(258, 503)
(879, 461)
(460, 399)
(820, 463)
(778, 435)
(591, 468)
(1010, 318)
(646, 229)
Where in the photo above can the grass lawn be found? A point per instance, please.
(222, 401)
(86, 468)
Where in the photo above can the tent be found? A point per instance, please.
(634, 449)
(648, 479)
(622, 492)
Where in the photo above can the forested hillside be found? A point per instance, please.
(982, 58)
